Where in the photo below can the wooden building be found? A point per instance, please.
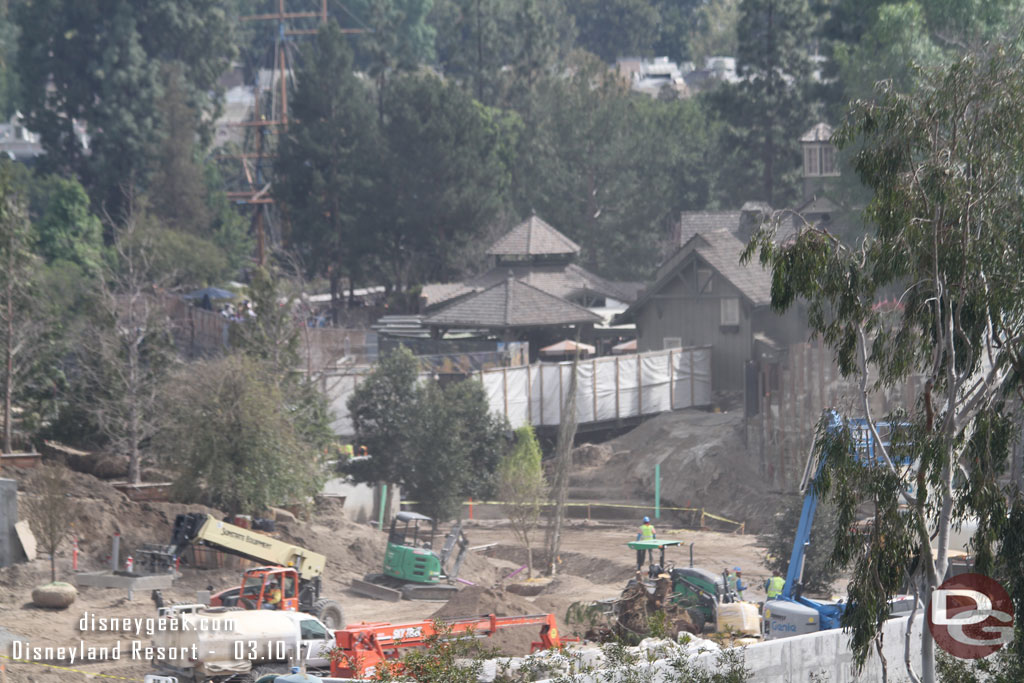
(703, 296)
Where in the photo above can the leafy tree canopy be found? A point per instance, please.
(228, 429)
(439, 444)
(328, 161)
(943, 161)
(98, 64)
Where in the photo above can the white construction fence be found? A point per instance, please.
(607, 388)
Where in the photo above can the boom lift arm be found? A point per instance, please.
(361, 648)
(783, 620)
(198, 528)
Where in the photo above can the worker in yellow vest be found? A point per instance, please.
(773, 586)
(646, 533)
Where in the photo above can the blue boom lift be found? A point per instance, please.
(792, 613)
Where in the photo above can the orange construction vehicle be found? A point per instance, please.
(363, 647)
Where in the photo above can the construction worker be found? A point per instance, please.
(773, 586)
(740, 586)
(646, 533)
(273, 600)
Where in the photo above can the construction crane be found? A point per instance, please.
(792, 613)
(362, 648)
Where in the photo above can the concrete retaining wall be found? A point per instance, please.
(827, 655)
(823, 657)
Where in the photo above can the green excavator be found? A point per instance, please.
(413, 568)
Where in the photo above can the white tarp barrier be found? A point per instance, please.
(607, 388)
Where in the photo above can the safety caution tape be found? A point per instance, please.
(65, 668)
(626, 506)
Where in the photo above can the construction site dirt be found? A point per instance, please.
(593, 563)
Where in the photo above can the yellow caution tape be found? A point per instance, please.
(64, 668)
(626, 506)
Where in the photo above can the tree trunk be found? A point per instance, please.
(563, 463)
(9, 366)
(134, 424)
(134, 467)
(529, 560)
(53, 568)
(927, 650)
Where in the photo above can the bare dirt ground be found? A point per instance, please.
(594, 563)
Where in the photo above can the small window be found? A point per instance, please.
(312, 630)
(730, 312)
(672, 342)
(811, 160)
(705, 279)
(827, 160)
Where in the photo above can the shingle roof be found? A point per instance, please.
(693, 222)
(820, 132)
(721, 249)
(561, 280)
(533, 237)
(438, 292)
(510, 303)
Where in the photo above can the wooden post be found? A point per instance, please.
(593, 385)
(782, 427)
(529, 395)
(540, 371)
(795, 423)
(821, 376)
(504, 388)
(639, 386)
(617, 415)
(693, 382)
(671, 383)
(561, 399)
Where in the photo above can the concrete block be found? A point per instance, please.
(131, 583)
(10, 547)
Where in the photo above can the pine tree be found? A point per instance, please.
(767, 110)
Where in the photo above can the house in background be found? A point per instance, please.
(703, 295)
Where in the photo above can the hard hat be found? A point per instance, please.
(647, 520)
(737, 569)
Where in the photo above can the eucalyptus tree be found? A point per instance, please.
(945, 163)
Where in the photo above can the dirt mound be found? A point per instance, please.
(478, 601)
(576, 564)
(704, 462)
(564, 590)
(591, 454)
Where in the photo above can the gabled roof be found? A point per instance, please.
(820, 132)
(533, 237)
(510, 303)
(563, 280)
(721, 250)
